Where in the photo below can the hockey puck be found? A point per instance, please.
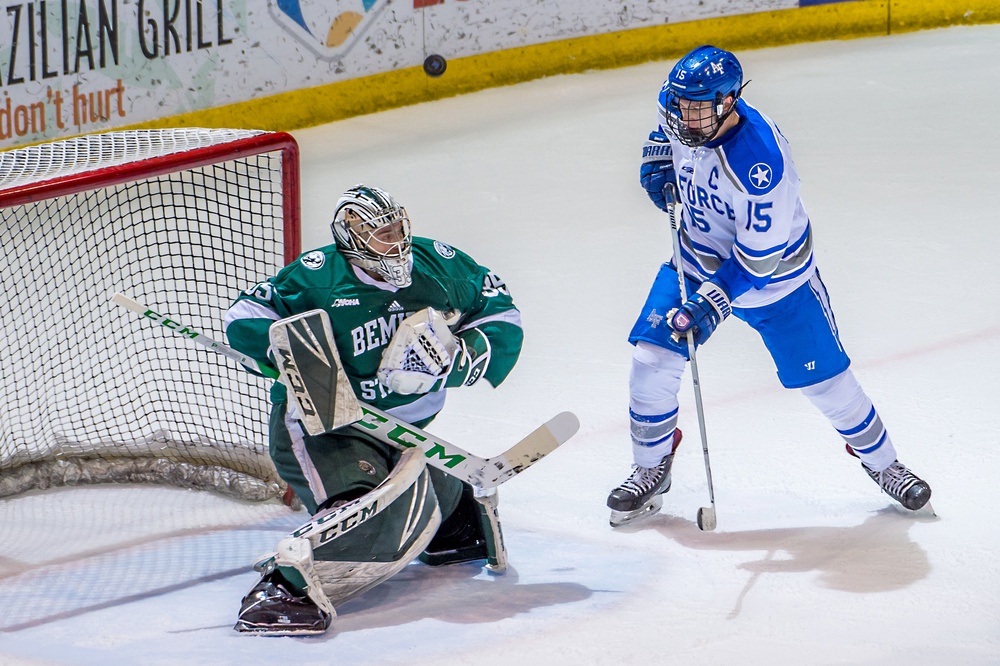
(434, 65)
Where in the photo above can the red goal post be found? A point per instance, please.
(181, 220)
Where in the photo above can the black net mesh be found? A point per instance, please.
(93, 392)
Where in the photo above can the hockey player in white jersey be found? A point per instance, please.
(746, 251)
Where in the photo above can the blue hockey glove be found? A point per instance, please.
(657, 168)
(701, 313)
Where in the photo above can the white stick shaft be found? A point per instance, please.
(198, 338)
(671, 193)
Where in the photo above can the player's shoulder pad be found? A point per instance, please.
(753, 154)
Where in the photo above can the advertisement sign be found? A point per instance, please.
(69, 67)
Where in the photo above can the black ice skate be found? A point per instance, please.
(641, 493)
(271, 608)
(902, 485)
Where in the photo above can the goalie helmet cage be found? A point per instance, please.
(181, 220)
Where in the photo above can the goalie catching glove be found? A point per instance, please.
(425, 356)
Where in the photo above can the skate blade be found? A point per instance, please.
(651, 508)
(253, 629)
(926, 511)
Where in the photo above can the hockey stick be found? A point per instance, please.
(706, 514)
(484, 473)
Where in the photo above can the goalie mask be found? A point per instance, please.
(373, 232)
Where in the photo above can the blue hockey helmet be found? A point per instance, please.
(707, 74)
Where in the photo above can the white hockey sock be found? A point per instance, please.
(850, 411)
(654, 380)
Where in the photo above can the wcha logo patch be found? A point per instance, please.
(313, 260)
(445, 251)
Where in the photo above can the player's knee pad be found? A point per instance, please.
(347, 549)
(655, 377)
(840, 398)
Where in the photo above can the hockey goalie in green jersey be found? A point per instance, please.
(411, 317)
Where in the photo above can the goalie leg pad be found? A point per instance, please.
(368, 540)
(496, 549)
(288, 600)
(472, 532)
(343, 551)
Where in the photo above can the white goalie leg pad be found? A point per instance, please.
(296, 553)
(408, 495)
(420, 353)
(496, 559)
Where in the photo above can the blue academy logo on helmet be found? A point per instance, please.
(706, 74)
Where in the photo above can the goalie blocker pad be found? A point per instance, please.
(319, 393)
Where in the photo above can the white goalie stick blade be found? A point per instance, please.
(496, 559)
(482, 473)
(310, 367)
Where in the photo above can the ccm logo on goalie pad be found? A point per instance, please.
(335, 529)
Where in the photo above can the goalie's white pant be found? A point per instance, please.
(655, 380)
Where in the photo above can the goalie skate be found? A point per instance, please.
(272, 609)
(641, 495)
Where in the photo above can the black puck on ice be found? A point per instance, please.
(434, 65)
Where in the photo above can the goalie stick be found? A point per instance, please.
(483, 473)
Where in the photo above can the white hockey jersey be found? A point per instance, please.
(743, 216)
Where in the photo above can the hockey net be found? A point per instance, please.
(180, 220)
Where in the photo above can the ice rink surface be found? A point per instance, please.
(895, 139)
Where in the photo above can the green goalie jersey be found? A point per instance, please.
(364, 313)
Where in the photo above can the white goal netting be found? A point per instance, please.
(180, 220)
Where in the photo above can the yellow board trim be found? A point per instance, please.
(345, 99)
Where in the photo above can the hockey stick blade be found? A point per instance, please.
(706, 518)
(545, 439)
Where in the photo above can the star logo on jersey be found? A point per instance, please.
(760, 174)
(654, 319)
